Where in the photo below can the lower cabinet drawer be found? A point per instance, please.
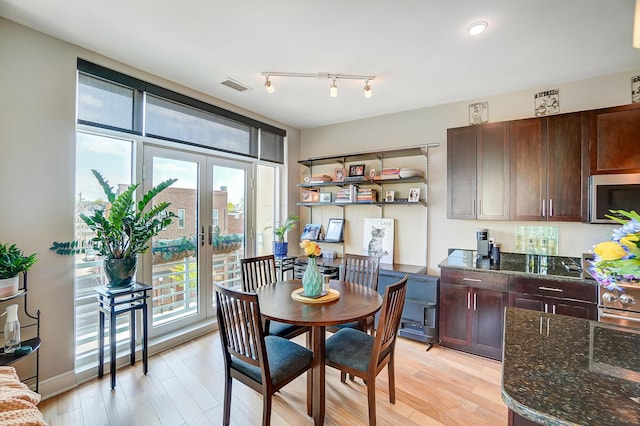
(484, 280)
(558, 289)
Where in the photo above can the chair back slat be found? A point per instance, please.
(257, 271)
(390, 316)
(240, 326)
(360, 269)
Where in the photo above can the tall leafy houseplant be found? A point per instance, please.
(280, 246)
(125, 230)
(12, 262)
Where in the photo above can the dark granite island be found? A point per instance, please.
(559, 370)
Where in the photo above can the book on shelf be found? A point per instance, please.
(390, 171)
(388, 176)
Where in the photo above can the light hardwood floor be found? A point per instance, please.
(184, 386)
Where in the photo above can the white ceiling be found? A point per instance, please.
(417, 49)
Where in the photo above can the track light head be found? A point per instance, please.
(333, 90)
(367, 89)
(268, 85)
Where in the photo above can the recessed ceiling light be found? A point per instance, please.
(477, 28)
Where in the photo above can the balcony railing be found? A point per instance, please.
(174, 296)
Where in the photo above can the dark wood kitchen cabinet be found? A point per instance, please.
(478, 172)
(547, 167)
(569, 298)
(472, 311)
(613, 139)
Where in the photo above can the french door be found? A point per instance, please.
(204, 243)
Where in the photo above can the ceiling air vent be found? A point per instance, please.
(235, 85)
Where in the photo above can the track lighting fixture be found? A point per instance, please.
(367, 89)
(268, 85)
(333, 90)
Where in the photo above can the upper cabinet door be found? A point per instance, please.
(613, 138)
(461, 173)
(528, 172)
(493, 171)
(567, 187)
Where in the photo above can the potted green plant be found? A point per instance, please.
(280, 246)
(12, 263)
(124, 230)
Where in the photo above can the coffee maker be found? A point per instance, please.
(482, 237)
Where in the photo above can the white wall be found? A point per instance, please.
(429, 125)
(37, 172)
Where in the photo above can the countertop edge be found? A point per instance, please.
(531, 414)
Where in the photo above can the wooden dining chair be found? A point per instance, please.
(360, 354)
(256, 272)
(362, 270)
(264, 363)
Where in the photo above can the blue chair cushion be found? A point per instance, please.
(284, 356)
(281, 329)
(350, 347)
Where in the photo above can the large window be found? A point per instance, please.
(111, 135)
(112, 157)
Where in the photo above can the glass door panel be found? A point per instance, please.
(227, 232)
(174, 251)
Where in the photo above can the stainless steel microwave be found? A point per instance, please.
(613, 192)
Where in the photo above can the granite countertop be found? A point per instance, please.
(559, 268)
(560, 370)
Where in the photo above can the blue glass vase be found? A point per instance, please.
(312, 279)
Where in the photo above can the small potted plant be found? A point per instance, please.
(12, 263)
(280, 246)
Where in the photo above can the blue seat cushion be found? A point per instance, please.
(350, 347)
(284, 357)
(281, 329)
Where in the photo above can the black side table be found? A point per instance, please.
(284, 264)
(116, 301)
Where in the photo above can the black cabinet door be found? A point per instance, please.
(566, 135)
(493, 171)
(455, 326)
(488, 321)
(461, 173)
(574, 308)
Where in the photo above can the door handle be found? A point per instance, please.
(543, 208)
(210, 235)
(550, 207)
(201, 235)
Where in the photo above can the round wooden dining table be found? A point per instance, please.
(356, 303)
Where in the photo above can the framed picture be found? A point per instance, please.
(339, 174)
(635, 89)
(479, 112)
(547, 102)
(311, 231)
(334, 230)
(389, 196)
(310, 195)
(372, 174)
(325, 197)
(414, 195)
(356, 170)
(378, 238)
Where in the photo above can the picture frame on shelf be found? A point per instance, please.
(310, 195)
(372, 174)
(335, 230)
(389, 196)
(311, 231)
(356, 170)
(414, 195)
(339, 174)
(325, 197)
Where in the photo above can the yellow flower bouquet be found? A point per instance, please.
(311, 248)
(618, 261)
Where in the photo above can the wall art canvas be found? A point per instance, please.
(378, 238)
(547, 102)
(635, 89)
(479, 112)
